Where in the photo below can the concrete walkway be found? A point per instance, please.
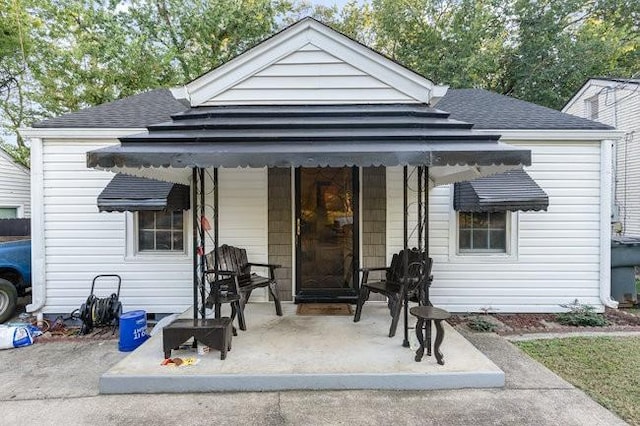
(57, 383)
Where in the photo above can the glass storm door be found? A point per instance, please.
(326, 234)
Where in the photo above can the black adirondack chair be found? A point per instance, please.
(233, 265)
(393, 284)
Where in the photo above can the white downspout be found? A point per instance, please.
(606, 148)
(38, 274)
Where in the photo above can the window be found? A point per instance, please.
(482, 232)
(161, 231)
(8, 212)
(593, 108)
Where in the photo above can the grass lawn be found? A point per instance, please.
(606, 368)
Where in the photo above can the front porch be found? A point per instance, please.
(307, 352)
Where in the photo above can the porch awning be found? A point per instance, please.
(513, 190)
(312, 136)
(130, 193)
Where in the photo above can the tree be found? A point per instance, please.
(562, 43)
(536, 50)
(96, 51)
(66, 55)
(15, 45)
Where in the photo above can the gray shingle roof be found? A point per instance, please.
(134, 111)
(489, 110)
(486, 110)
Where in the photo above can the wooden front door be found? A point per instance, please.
(326, 229)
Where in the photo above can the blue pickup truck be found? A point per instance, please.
(15, 275)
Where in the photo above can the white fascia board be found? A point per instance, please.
(438, 93)
(245, 70)
(78, 133)
(373, 55)
(552, 134)
(241, 67)
(577, 95)
(180, 92)
(372, 63)
(591, 82)
(288, 41)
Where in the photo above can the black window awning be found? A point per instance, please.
(130, 193)
(513, 190)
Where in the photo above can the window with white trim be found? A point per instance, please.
(482, 232)
(160, 232)
(593, 108)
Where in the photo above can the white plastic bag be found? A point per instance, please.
(15, 337)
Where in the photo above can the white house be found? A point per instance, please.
(616, 102)
(14, 188)
(268, 123)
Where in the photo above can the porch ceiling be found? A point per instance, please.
(312, 136)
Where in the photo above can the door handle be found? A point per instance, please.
(298, 227)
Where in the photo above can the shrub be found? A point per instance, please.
(581, 315)
(482, 325)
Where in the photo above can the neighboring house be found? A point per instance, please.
(309, 96)
(616, 102)
(15, 201)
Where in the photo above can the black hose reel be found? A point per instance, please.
(100, 312)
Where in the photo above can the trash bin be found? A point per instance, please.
(625, 256)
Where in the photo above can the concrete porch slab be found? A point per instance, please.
(307, 352)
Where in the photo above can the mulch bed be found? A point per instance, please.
(72, 334)
(509, 324)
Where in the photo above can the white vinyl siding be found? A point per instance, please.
(81, 242)
(619, 106)
(558, 250)
(14, 186)
(309, 75)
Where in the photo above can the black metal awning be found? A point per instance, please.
(513, 190)
(130, 193)
(311, 136)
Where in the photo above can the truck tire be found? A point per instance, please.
(8, 300)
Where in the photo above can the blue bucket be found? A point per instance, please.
(133, 330)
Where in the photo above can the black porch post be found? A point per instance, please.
(426, 230)
(194, 214)
(405, 260)
(203, 247)
(420, 229)
(216, 233)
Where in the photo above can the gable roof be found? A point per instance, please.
(308, 32)
(490, 110)
(485, 109)
(606, 82)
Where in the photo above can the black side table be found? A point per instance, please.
(215, 333)
(426, 314)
